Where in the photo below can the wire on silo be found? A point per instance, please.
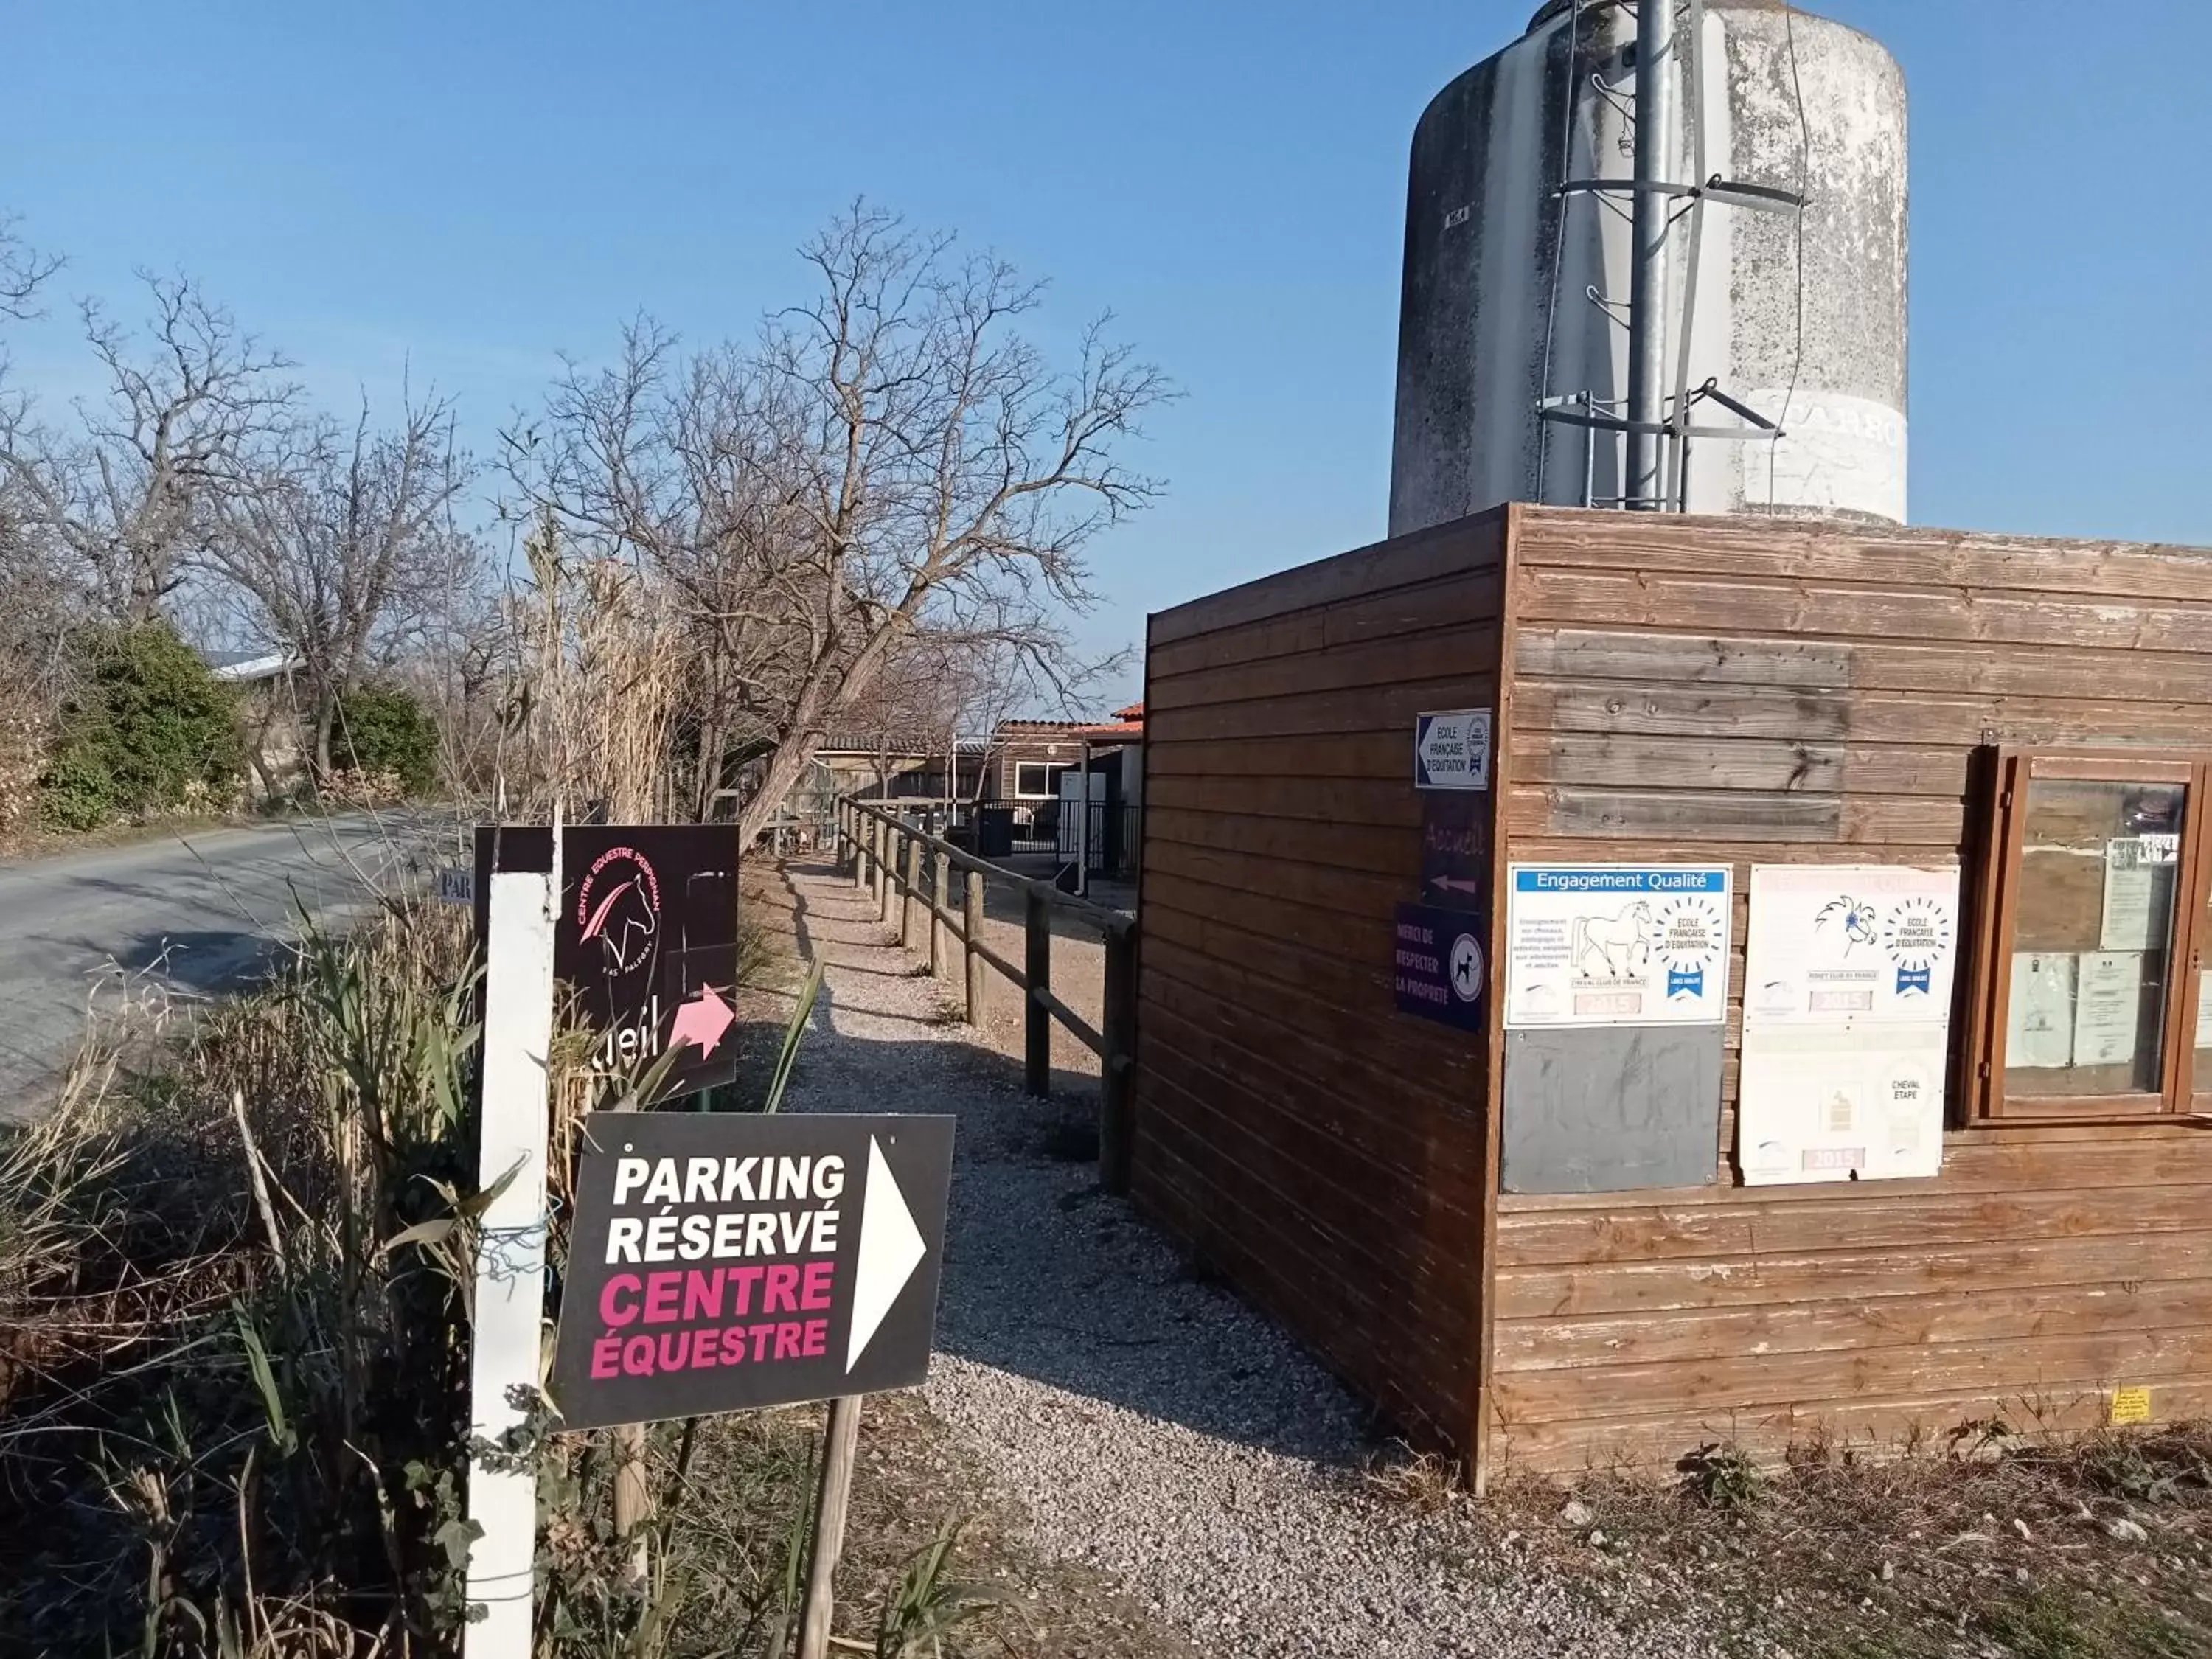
(1804, 175)
(1560, 243)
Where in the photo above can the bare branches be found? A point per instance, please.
(342, 544)
(892, 467)
(23, 271)
(122, 496)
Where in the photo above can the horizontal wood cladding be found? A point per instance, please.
(1438, 555)
(1323, 1151)
(1752, 692)
(1876, 554)
(1756, 605)
(1338, 633)
(1875, 1427)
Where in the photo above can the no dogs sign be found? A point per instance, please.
(724, 1262)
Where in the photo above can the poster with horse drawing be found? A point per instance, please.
(1617, 944)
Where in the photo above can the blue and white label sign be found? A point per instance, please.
(1616, 945)
(1437, 965)
(1451, 750)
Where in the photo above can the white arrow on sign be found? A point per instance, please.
(890, 1249)
(1451, 750)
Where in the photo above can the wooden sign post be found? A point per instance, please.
(841, 1443)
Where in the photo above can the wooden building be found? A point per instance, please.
(1672, 691)
(1029, 757)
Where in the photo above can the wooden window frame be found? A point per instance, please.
(2181, 1095)
(1052, 769)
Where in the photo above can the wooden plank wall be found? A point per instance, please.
(1323, 1151)
(1735, 689)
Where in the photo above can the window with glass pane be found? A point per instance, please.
(2093, 937)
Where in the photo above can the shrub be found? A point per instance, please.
(149, 728)
(383, 729)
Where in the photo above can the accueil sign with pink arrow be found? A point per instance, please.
(645, 942)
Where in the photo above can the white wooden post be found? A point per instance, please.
(510, 1266)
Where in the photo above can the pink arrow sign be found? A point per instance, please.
(703, 1021)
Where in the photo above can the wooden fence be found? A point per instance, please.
(903, 866)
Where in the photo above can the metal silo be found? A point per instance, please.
(1519, 268)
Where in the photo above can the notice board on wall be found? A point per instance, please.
(1849, 975)
(1612, 1109)
(1617, 980)
(1616, 945)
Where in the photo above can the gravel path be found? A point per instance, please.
(1147, 1423)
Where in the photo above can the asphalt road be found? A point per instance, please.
(186, 917)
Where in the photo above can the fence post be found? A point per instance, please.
(887, 869)
(940, 879)
(1037, 1044)
(971, 924)
(1117, 1067)
(912, 892)
(867, 844)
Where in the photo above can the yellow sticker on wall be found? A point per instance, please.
(2131, 1406)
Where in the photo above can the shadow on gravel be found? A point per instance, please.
(1046, 1276)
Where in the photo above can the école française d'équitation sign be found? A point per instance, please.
(1451, 750)
(730, 1262)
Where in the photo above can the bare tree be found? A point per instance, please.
(34, 601)
(342, 548)
(893, 463)
(123, 496)
(23, 271)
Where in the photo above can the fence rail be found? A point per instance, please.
(902, 864)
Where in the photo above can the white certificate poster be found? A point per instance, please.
(1616, 945)
(1841, 945)
(2107, 1006)
(1833, 1105)
(2039, 1010)
(2139, 872)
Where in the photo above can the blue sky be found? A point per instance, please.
(465, 190)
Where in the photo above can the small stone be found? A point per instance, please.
(1888, 1570)
(1597, 1538)
(2127, 1531)
(1578, 1514)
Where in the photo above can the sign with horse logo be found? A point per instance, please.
(646, 941)
(1617, 944)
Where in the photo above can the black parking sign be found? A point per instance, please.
(724, 1262)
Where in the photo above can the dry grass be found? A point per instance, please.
(233, 1353)
(2096, 1547)
(597, 717)
(230, 1392)
(1421, 1481)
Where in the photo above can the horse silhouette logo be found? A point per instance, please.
(1620, 942)
(619, 905)
(1858, 917)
